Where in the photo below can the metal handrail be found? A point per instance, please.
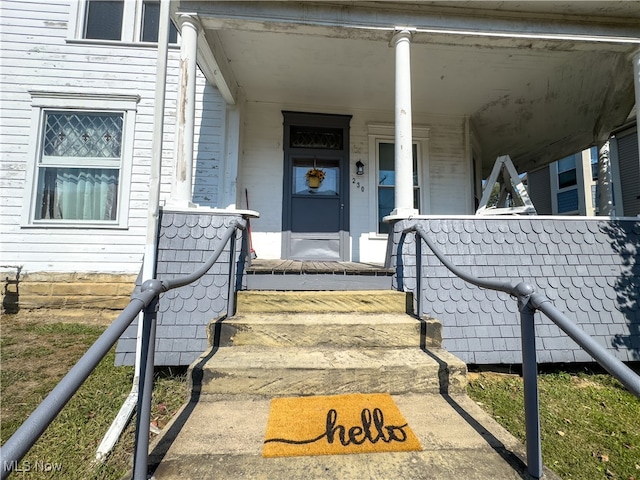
(17, 446)
(528, 303)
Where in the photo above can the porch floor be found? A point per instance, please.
(316, 266)
(317, 275)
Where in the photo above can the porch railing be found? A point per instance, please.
(528, 303)
(146, 300)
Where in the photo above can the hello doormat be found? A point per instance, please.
(338, 424)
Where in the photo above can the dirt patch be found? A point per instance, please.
(473, 376)
(585, 383)
(62, 315)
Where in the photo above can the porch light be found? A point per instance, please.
(359, 168)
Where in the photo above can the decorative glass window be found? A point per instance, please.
(386, 182)
(81, 149)
(78, 174)
(316, 137)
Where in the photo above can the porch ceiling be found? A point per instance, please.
(536, 95)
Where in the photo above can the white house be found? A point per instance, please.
(469, 82)
(404, 106)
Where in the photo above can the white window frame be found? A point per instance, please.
(131, 24)
(43, 101)
(385, 133)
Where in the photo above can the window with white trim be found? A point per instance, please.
(82, 159)
(387, 181)
(382, 178)
(120, 20)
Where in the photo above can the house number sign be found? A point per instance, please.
(357, 184)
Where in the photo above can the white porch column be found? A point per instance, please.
(605, 197)
(401, 41)
(181, 187)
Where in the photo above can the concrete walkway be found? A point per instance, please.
(221, 438)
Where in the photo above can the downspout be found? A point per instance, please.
(153, 218)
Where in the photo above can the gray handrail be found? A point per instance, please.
(17, 446)
(528, 303)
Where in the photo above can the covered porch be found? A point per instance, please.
(426, 95)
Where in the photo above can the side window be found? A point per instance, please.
(103, 19)
(78, 174)
(593, 153)
(82, 148)
(567, 196)
(120, 20)
(150, 23)
(567, 172)
(386, 181)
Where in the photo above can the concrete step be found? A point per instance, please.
(327, 330)
(283, 371)
(362, 301)
(221, 438)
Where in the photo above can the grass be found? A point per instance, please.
(590, 424)
(34, 356)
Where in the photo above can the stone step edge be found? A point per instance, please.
(260, 371)
(263, 358)
(260, 325)
(324, 318)
(347, 301)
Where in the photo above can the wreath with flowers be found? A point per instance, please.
(315, 173)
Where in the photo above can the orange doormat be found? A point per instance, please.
(339, 424)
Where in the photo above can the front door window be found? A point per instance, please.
(316, 177)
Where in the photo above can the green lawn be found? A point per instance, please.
(34, 356)
(590, 424)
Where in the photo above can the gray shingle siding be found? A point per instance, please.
(589, 268)
(186, 240)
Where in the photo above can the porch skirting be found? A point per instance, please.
(588, 266)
